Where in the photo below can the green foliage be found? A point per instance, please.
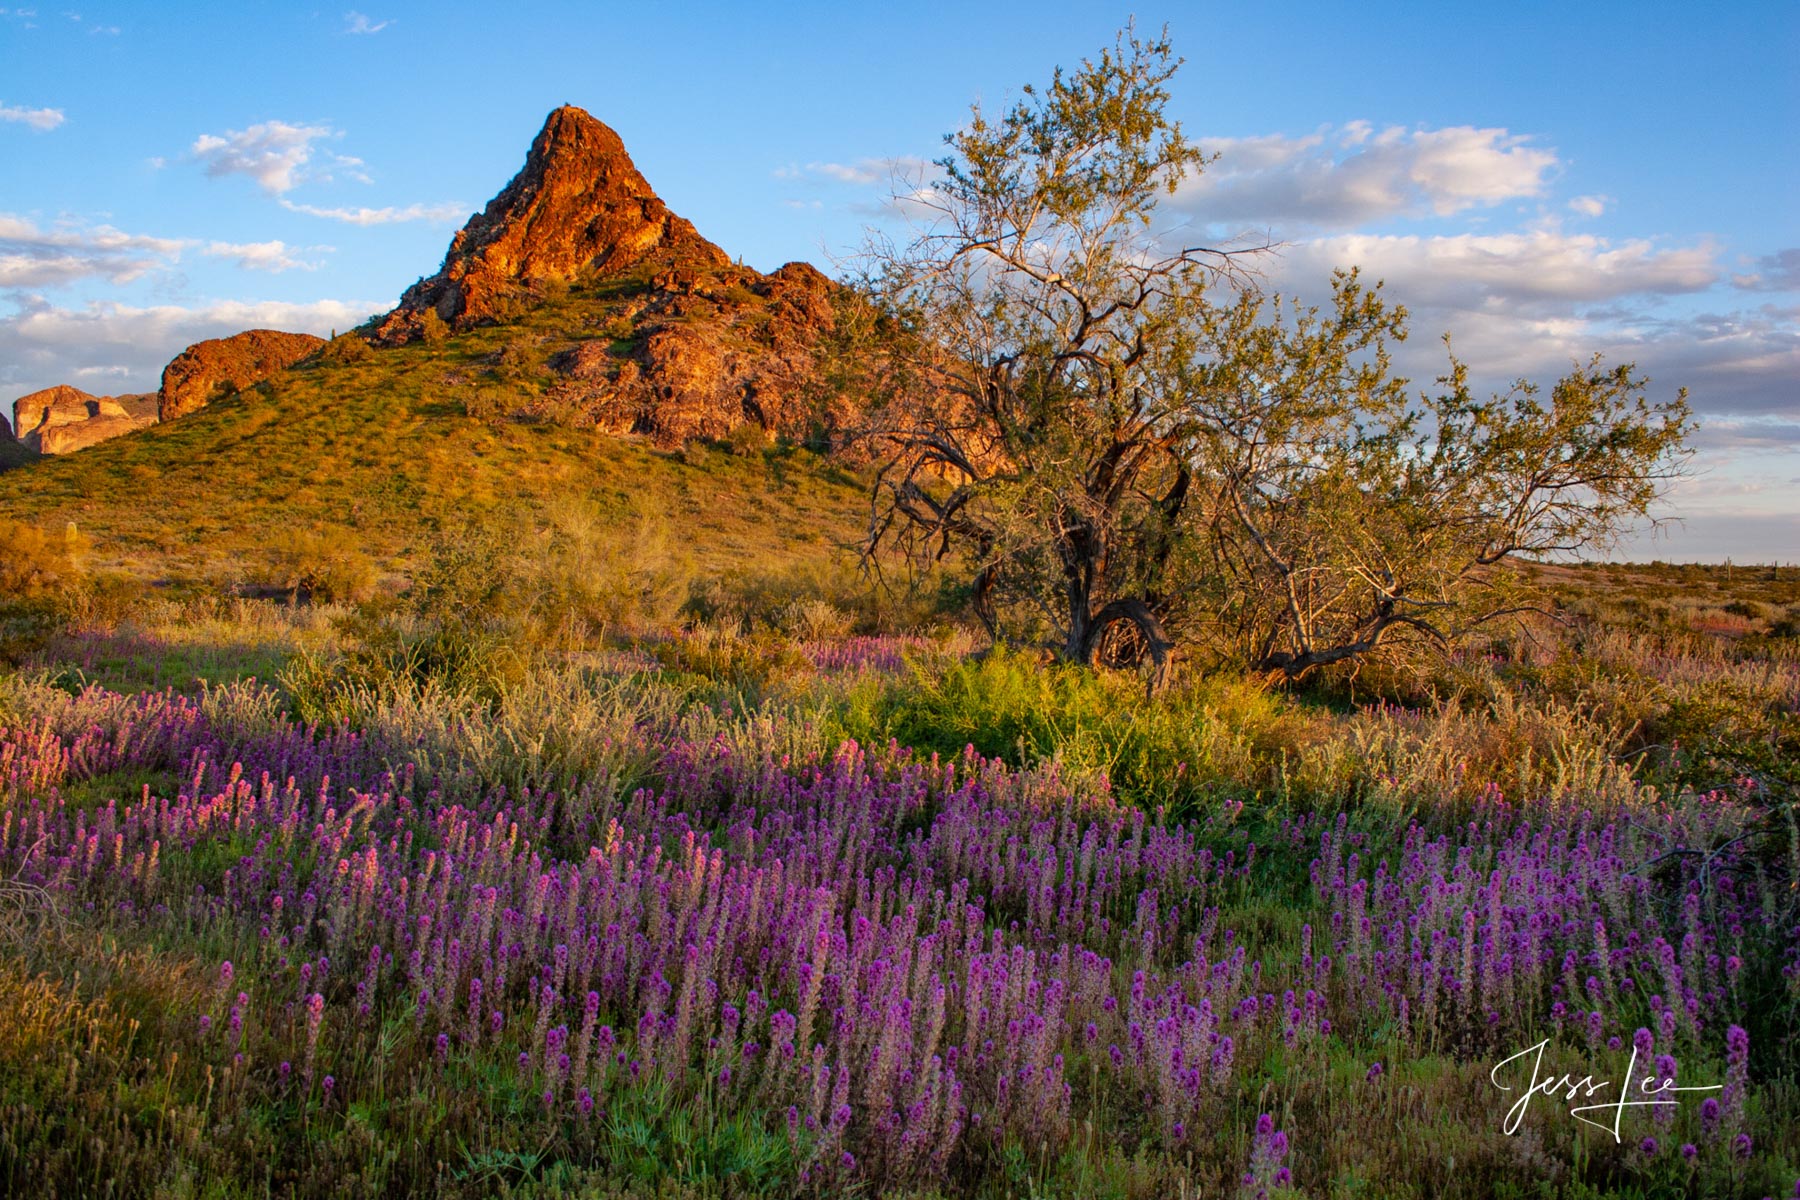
(36, 562)
(1349, 521)
(319, 566)
(1125, 461)
(1203, 742)
(42, 585)
(346, 349)
(747, 439)
(800, 600)
(432, 329)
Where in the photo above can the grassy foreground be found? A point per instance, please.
(802, 913)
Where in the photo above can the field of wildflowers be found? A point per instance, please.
(709, 914)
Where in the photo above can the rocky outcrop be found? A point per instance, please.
(578, 204)
(62, 419)
(208, 370)
(712, 349)
(694, 346)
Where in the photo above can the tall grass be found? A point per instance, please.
(763, 907)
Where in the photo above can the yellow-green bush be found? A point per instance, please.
(319, 566)
(35, 562)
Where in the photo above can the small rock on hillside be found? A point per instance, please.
(208, 370)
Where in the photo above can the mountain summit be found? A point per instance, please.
(579, 203)
(687, 344)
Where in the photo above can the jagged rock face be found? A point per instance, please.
(713, 348)
(62, 419)
(578, 203)
(6, 433)
(695, 347)
(208, 370)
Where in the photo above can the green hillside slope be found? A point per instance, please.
(381, 451)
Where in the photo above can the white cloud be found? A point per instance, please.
(41, 119)
(355, 22)
(1540, 270)
(351, 167)
(41, 344)
(444, 214)
(1740, 365)
(1749, 433)
(1590, 206)
(273, 153)
(33, 257)
(1349, 175)
(273, 256)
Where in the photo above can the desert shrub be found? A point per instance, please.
(35, 562)
(319, 566)
(459, 627)
(777, 600)
(489, 405)
(517, 357)
(380, 656)
(1755, 610)
(432, 328)
(43, 588)
(1202, 742)
(816, 620)
(752, 666)
(747, 440)
(346, 348)
(469, 574)
(619, 328)
(596, 573)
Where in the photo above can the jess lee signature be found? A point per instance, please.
(1586, 1088)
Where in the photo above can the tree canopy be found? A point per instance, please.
(1132, 449)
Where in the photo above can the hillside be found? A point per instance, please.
(385, 449)
(583, 355)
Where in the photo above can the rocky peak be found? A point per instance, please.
(578, 203)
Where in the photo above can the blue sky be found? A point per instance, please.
(1540, 180)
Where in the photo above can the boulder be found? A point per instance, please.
(218, 367)
(63, 419)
